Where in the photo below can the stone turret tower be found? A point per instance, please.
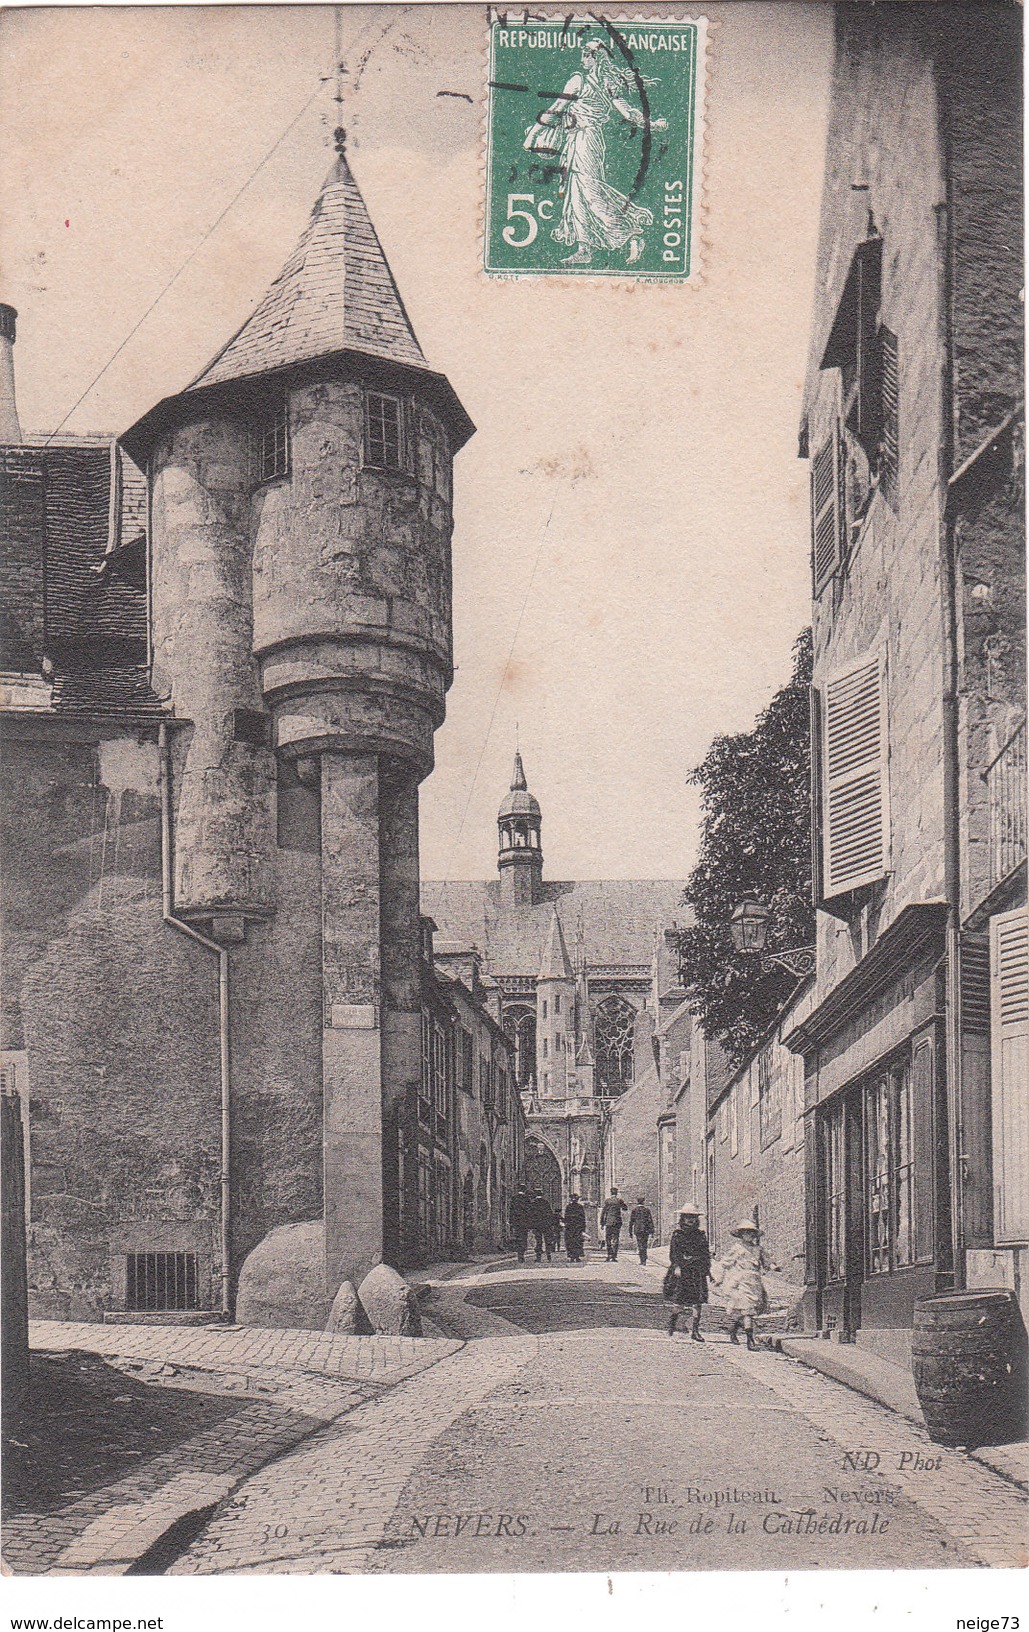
(521, 855)
(555, 1016)
(301, 591)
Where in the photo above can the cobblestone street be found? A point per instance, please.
(573, 1434)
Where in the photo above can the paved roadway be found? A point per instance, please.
(573, 1434)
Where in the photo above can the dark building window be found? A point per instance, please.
(520, 1026)
(162, 1281)
(269, 444)
(769, 1099)
(384, 431)
(467, 1062)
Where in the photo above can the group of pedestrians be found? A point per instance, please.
(532, 1214)
(641, 1224)
(737, 1273)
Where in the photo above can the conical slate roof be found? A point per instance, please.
(335, 293)
(555, 963)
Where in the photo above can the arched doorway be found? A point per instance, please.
(543, 1172)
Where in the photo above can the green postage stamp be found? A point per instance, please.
(593, 155)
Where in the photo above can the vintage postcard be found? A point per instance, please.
(513, 697)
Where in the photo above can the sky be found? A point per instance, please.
(630, 544)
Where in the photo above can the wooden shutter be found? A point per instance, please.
(889, 445)
(826, 512)
(1009, 991)
(854, 823)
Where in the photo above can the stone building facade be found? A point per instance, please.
(465, 1185)
(228, 645)
(755, 1149)
(586, 976)
(916, 1163)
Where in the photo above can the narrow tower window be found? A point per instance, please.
(383, 431)
(269, 444)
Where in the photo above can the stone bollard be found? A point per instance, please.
(390, 1304)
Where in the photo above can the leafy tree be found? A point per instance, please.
(755, 839)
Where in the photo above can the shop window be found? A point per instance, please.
(835, 1174)
(384, 431)
(162, 1281)
(891, 1218)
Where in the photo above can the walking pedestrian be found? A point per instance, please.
(611, 1222)
(738, 1275)
(641, 1226)
(689, 1268)
(543, 1227)
(520, 1218)
(575, 1229)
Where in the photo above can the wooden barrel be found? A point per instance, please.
(969, 1358)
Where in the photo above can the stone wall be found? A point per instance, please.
(883, 175)
(759, 1159)
(118, 1016)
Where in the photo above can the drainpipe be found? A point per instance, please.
(224, 1045)
(951, 752)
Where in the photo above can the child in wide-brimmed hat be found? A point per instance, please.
(689, 1268)
(742, 1288)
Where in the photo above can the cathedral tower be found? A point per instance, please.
(521, 856)
(301, 591)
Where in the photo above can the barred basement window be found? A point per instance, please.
(889, 445)
(269, 445)
(384, 431)
(162, 1281)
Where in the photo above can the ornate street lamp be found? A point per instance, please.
(748, 927)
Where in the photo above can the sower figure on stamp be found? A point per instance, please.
(641, 1227)
(611, 1222)
(689, 1267)
(738, 1274)
(521, 1220)
(595, 214)
(575, 1229)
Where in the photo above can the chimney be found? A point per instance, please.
(10, 430)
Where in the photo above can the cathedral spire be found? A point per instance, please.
(555, 963)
